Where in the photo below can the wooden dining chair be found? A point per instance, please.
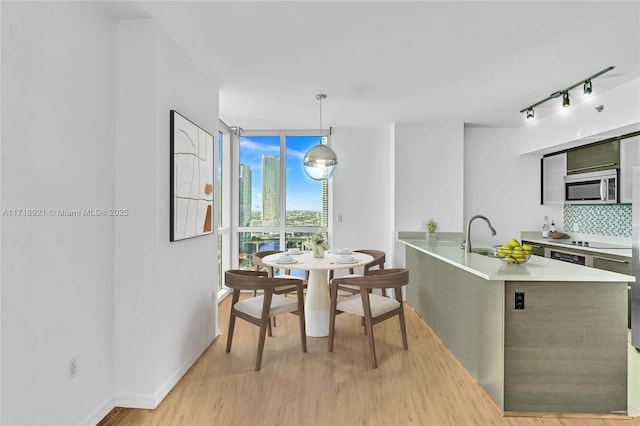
(378, 261)
(372, 307)
(286, 288)
(259, 310)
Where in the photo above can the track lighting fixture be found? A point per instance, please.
(587, 89)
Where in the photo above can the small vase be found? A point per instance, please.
(431, 237)
(318, 251)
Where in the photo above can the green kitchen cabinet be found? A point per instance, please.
(591, 158)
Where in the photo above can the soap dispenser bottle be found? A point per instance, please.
(546, 228)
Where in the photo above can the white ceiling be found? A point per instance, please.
(388, 61)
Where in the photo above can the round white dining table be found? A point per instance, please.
(316, 306)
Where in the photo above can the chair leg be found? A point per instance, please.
(403, 330)
(269, 326)
(303, 333)
(332, 318)
(372, 344)
(232, 323)
(263, 332)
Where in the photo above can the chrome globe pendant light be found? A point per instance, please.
(320, 161)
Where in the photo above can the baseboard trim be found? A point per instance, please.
(148, 401)
(100, 413)
(180, 372)
(134, 400)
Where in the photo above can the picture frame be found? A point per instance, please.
(191, 179)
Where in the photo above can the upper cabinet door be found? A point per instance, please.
(594, 157)
(554, 168)
(629, 157)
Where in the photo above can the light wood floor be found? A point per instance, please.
(422, 386)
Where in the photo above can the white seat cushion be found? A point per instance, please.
(351, 276)
(279, 305)
(379, 305)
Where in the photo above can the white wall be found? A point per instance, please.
(57, 152)
(165, 312)
(429, 174)
(85, 114)
(361, 189)
(135, 181)
(502, 185)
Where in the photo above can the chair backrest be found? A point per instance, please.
(238, 279)
(378, 259)
(259, 265)
(384, 278)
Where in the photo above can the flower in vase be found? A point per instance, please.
(319, 239)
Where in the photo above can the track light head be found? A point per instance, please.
(587, 88)
(530, 114)
(565, 100)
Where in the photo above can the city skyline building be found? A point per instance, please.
(270, 190)
(245, 195)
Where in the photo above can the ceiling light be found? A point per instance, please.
(320, 161)
(587, 89)
(530, 114)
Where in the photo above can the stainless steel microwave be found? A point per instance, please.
(592, 188)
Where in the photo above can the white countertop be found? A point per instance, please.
(490, 268)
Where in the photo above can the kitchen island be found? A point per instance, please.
(563, 349)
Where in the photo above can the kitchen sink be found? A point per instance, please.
(489, 252)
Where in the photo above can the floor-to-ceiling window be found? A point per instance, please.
(279, 206)
(223, 199)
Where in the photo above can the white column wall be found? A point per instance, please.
(135, 182)
(361, 189)
(429, 177)
(165, 312)
(502, 185)
(57, 153)
(186, 310)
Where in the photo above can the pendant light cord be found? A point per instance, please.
(320, 97)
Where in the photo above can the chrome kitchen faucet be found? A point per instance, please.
(467, 246)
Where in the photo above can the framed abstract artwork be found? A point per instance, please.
(191, 179)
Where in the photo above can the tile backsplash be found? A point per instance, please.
(603, 219)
